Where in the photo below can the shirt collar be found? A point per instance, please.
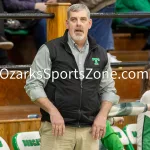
(74, 45)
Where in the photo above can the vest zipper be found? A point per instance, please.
(80, 102)
(80, 90)
(81, 86)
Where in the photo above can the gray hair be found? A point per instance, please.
(76, 8)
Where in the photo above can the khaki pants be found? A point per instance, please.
(73, 139)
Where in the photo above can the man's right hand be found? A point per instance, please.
(40, 6)
(57, 121)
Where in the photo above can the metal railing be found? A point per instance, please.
(26, 15)
(93, 15)
(114, 65)
(52, 15)
(120, 15)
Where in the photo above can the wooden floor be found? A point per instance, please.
(18, 111)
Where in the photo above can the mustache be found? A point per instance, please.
(80, 30)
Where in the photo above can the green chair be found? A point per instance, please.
(3, 144)
(26, 141)
(131, 131)
(123, 138)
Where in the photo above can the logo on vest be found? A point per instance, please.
(96, 60)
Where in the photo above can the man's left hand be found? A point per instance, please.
(99, 127)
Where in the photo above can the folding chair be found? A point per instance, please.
(131, 131)
(122, 136)
(3, 144)
(26, 141)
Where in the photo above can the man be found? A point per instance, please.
(101, 28)
(74, 101)
(4, 43)
(31, 6)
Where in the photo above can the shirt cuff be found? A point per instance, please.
(36, 93)
(111, 97)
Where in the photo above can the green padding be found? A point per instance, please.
(17, 32)
(1, 145)
(14, 142)
(134, 133)
(146, 134)
(111, 141)
(129, 146)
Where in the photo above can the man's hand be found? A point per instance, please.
(57, 121)
(99, 127)
(99, 124)
(40, 6)
(119, 120)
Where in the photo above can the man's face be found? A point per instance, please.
(78, 25)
